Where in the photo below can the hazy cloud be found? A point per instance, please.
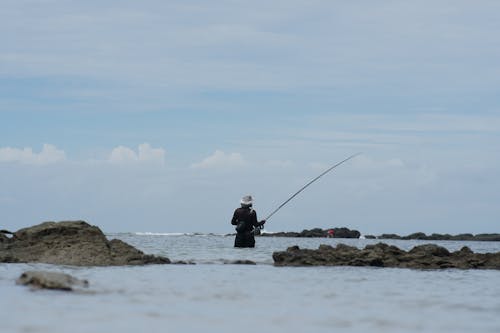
(145, 154)
(220, 159)
(49, 154)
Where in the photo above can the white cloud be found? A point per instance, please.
(145, 154)
(49, 154)
(122, 154)
(220, 159)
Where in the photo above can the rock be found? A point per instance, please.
(71, 243)
(416, 235)
(428, 256)
(240, 262)
(183, 262)
(3, 238)
(487, 237)
(460, 237)
(281, 234)
(429, 249)
(317, 232)
(389, 236)
(50, 280)
(345, 233)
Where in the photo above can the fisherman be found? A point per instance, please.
(245, 220)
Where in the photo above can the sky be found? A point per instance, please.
(158, 116)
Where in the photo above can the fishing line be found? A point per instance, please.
(306, 185)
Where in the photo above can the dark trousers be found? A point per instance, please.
(244, 239)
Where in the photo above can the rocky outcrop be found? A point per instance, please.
(50, 280)
(318, 232)
(71, 243)
(459, 237)
(427, 256)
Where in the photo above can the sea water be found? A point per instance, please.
(213, 296)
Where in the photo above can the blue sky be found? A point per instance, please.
(159, 115)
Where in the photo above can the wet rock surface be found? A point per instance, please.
(318, 232)
(428, 256)
(50, 280)
(71, 243)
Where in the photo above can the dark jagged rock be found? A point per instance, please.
(345, 233)
(281, 234)
(317, 232)
(389, 236)
(427, 256)
(460, 237)
(50, 280)
(487, 237)
(416, 235)
(71, 243)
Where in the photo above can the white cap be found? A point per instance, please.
(247, 200)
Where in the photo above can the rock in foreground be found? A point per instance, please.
(50, 280)
(71, 243)
(428, 256)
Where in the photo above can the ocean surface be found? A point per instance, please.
(213, 296)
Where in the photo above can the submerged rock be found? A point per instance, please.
(240, 262)
(183, 262)
(427, 256)
(71, 243)
(50, 280)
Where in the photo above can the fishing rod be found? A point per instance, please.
(306, 185)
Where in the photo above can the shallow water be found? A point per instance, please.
(216, 297)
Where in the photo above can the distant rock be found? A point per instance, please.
(318, 232)
(345, 233)
(50, 280)
(71, 243)
(427, 256)
(183, 262)
(389, 236)
(460, 237)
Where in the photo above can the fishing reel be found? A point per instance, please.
(257, 230)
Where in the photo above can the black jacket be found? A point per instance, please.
(245, 218)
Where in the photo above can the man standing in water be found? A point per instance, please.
(245, 220)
